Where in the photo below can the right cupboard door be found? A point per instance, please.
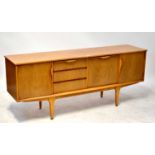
(132, 67)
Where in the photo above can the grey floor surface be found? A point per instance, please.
(137, 104)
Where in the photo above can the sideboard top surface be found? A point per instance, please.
(29, 58)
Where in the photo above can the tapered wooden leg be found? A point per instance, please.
(51, 106)
(40, 104)
(101, 94)
(117, 95)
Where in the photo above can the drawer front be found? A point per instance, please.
(102, 70)
(69, 86)
(69, 64)
(69, 75)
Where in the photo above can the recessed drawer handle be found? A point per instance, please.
(105, 57)
(69, 61)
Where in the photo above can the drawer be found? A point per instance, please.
(69, 75)
(69, 86)
(69, 64)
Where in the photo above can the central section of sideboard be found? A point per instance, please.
(69, 75)
(47, 76)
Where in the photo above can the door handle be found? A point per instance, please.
(121, 63)
(70, 61)
(105, 57)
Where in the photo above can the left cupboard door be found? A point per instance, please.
(34, 80)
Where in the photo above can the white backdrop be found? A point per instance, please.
(110, 139)
(13, 43)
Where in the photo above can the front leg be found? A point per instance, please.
(51, 106)
(117, 95)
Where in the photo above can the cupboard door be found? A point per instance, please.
(102, 70)
(34, 80)
(132, 67)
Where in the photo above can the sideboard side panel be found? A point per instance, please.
(11, 78)
(34, 80)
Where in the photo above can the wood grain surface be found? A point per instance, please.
(71, 54)
(51, 75)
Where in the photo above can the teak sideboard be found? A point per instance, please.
(52, 75)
